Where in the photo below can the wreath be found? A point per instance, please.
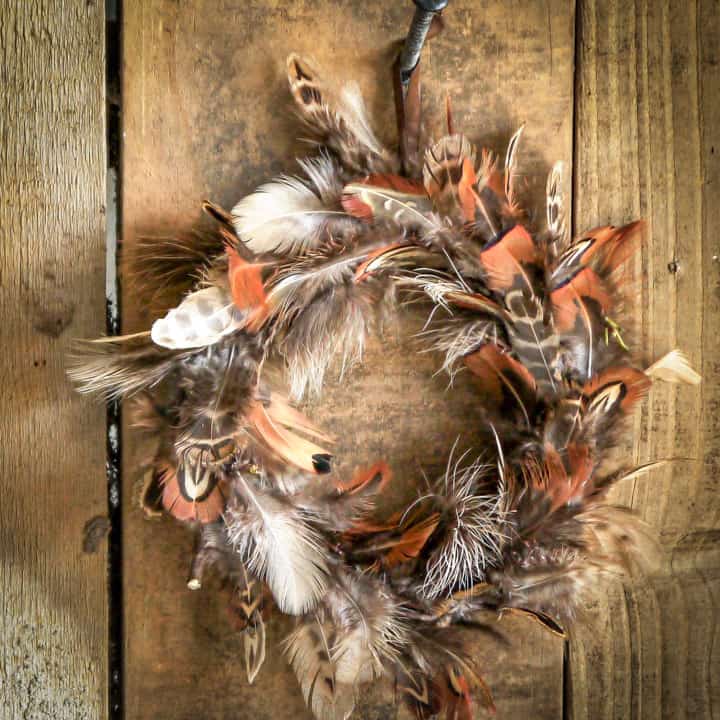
(298, 274)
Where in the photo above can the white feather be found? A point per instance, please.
(280, 547)
(674, 367)
(286, 216)
(511, 165)
(202, 318)
(323, 173)
(476, 538)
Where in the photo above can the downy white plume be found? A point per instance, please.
(674, 367)
(202, 318)
(280, 547)
(288, 216)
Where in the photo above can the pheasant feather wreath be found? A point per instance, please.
(296, 275)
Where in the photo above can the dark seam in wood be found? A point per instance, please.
(113, 89)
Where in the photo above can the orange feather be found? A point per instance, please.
(623, 385)
(466, 190)
(408, 546)
(290, 447)
(281, 411)
(568, 301)
(497, 371)
(503, 260)
(363, 477)
(610, 247)
(247, 289)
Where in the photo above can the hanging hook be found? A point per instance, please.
(425, 11)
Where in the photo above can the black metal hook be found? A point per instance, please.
(425, 11)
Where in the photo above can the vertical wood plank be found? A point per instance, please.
(647, 138)
(207, 114)
(53, 617)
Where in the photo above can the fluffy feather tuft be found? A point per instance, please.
(471, 534)
(290, 216)
(120, 367)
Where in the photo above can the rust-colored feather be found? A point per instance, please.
(188, 500)
(281, 411)
(449, 176)
(504, 260)
(409, 545)
(604, 249)
(570, 301)
(246, 288)
(287, 445)
(379, 472)
(619, 387)
(502, 376)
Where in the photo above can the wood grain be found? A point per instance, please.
(53, 617)
(207, 115)
(646, 144)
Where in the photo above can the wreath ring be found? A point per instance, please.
(295, 274)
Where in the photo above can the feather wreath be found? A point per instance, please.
(298, 272)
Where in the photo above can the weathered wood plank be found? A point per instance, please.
(647, 133)
(207, 115)
(53, 617)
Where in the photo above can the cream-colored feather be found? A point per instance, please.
(280, 547)
(557, 205)
(674, 367)
(289, 215)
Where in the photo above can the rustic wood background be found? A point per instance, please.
(626, 92)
